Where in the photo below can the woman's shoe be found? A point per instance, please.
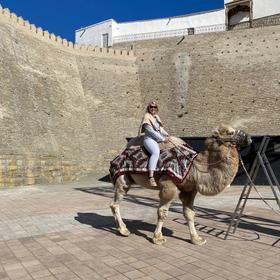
(152, 182)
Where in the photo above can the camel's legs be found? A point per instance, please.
(167, 193)
(121, 188)
(187, 199)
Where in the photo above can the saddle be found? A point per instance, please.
(175, 160)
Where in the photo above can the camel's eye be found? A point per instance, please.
(230, 133)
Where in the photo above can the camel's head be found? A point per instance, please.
(227, 135)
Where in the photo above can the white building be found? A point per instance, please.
(235, 14)
(238, 11)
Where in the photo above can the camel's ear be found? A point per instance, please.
(216, 132)
(221, 130)
(208, 143)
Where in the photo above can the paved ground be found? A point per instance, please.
(67, 232)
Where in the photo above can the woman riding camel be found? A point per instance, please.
(154, 132)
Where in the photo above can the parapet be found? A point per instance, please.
(19, 22)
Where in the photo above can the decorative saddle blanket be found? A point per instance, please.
(175, 162)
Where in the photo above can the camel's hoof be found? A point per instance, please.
(124, 231)
(158, 239)
(198, 240)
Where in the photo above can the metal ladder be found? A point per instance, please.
(259, 161)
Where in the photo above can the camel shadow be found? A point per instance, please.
(107, 223)
(249, 223)
(252, 225)
(108, 192)
(260, 225)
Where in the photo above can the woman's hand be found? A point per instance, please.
(166, 140)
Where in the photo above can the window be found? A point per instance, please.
(239, 14)
(105, 40)
(191, 31)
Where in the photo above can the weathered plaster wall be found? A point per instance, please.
(203, 80)
(65, 109)
(62, 108)
(111, 92)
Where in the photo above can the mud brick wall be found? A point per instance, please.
(203, 80)
(16, 170)
(65, 109)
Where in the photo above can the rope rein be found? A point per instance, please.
(213, 163)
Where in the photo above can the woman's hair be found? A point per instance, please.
(152, 103)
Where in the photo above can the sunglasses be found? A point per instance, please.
(153, 107)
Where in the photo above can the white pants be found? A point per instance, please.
(153, 148)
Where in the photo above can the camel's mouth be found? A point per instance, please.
(242, 138)
(231, 137)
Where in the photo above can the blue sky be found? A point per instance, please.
(63, 17)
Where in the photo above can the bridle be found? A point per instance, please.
(232, 141)
(221, 140)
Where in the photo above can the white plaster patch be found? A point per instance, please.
(3, 113)
(97, 101)
(182, 65)
(33, 70)
(60, 74)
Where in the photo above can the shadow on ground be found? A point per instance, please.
(107, 223)
(258, 225)
(105, 178)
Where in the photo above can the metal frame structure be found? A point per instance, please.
(259, 161)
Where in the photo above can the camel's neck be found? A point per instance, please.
(213, 171)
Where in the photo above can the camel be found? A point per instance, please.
(213, 170)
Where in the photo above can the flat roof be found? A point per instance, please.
(143, 20)
(185, 15)
(82, 28)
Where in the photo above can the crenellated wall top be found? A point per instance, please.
(19, 22)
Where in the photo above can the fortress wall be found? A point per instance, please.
(65, 109)
(58, 108)
(266, 21)
(20, 23)
(114, 103)
(203, 80)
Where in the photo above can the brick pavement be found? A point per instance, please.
(66, 232)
